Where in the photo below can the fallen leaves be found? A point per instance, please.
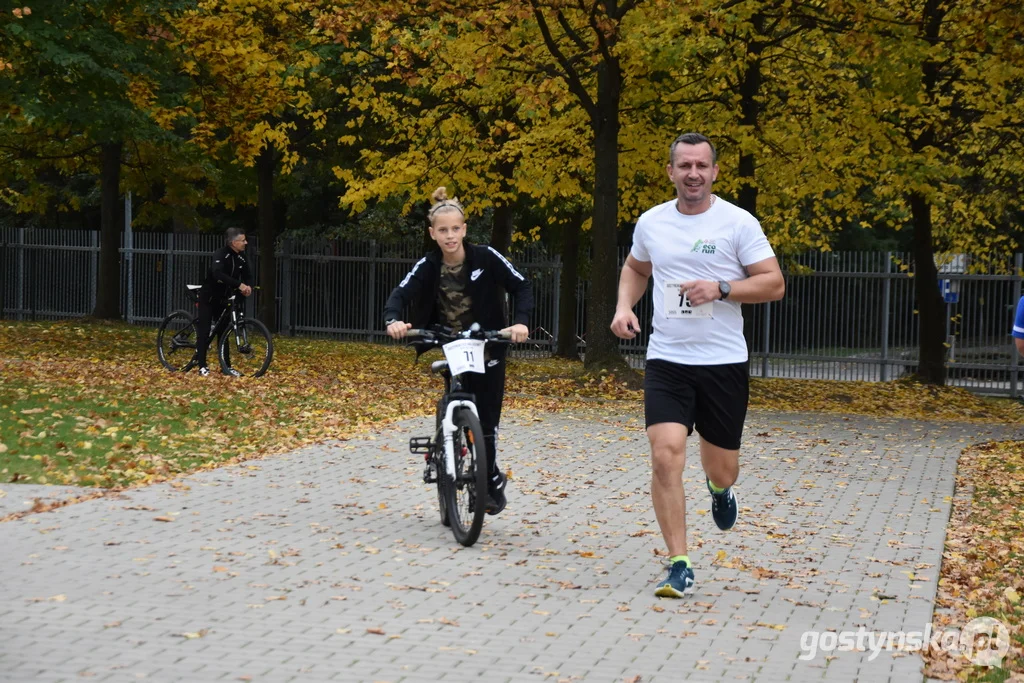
(982, 572)
(192, 635)
(72, 416)
(776, 627)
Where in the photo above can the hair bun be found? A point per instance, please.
(443, 204)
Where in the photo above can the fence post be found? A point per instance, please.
(286, 287)
(129, 253)
(767, 328)
(372, 315)
(3, 282)
(883, 371)
(21, 275)
(1018, 264)
(169, 273)
(556, 322)
(32, 283)
(94, 267)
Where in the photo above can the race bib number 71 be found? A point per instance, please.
(678, 305)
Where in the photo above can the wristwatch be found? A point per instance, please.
(724, 288)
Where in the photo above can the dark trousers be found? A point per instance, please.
(209, 311)
(489, 389)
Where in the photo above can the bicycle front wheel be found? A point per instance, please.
(247, 348)
(467, 494)
(176, 340)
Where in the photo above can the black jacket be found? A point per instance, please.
(487, 272)
(227, 270)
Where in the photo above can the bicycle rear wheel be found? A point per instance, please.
(247, 348)
(176, 340)
(467, 494)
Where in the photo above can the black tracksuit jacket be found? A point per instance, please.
(487, 272)
(227, 270)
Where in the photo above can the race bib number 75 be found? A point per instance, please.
(678, 305)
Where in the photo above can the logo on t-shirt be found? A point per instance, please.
(703, 247)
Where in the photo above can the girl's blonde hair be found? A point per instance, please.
(442, 204)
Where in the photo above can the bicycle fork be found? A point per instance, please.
(448, 427)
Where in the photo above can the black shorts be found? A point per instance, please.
(709, 398)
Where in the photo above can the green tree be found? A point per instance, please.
(940, 116)
(258, 93)
(75, 73)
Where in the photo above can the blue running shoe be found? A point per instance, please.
(723, 507)
(678, 583)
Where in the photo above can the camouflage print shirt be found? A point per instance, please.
(453, 300)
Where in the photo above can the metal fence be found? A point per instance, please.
(845, 316)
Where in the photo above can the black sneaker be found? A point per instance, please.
(678, 583)
(723, 507)
(204, 371)
(496, 500)
(230, 372)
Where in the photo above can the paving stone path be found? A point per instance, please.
(329, 563)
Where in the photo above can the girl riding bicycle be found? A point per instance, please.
(455, 285)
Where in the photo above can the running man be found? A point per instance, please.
(707, 257)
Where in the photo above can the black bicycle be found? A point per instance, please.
(243, 343)
(456, 456)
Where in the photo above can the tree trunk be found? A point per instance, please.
(267, 238)
(568, 279)
(501, 228)
(602, 346)
(750, 91)
(108, 284)
(930, 308)
(501, 225)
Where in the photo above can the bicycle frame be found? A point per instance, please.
(452, 387)
(228, 320)
(448, 427)
(458, 438)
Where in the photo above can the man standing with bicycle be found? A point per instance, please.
(707, 256)
(228, 271)
(455, 285)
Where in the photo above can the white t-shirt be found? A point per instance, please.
(715, 245)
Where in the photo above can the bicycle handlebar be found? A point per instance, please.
(439, 337)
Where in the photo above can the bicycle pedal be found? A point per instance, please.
(421, 444)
